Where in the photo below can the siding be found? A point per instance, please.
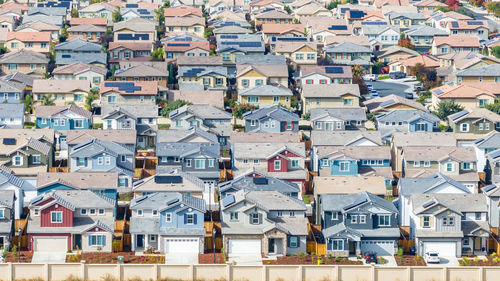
(67, 219)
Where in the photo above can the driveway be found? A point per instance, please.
(181, 258)
(49, 257)
(246, 259)
(386, 88)
(389, 261)
(446, 261)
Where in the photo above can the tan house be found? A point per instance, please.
(181, 25)
(87, 32)
(135, 30)
(143, 72)
(248, 76)
(392, 102)
(406, 65)
(62, 91)
(395, 53)
(173, 49)
(475, 28)
(282, 30)
(313, 9)
(24, 61)
(128, 93)
(481, 74)
(428, 5)
(454, 43)
(39, 42)
(273, 16)
(266, 96)
(329, 95)
(300, 53)
(470, 95)
(39, 26)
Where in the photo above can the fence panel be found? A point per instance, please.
(406, 244)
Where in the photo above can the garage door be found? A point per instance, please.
(381, 247)
(51, 244)
(244, 246)
(444, 249)
(182, 245)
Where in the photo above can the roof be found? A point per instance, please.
(268, 70)
(41, 86)
(488, 142)
(488, 70)
(208, 97)
(136, 25)
(77, 68)
(457, 41)
(344, 202)
(183, 46)
(476, 113)
(128, 137)
(95, 146)
(87, 28)
(337, 71)
(425, 30)
(231, 29)
(11, 110)
(273, 200)
(439, 153)
(429, 3)
(27, 137)
(339, 113)
(284, 137)
(10, 87)
(412, 16)
(467, 90)
(78, 180)
(329, 90)
(7, 199)
(19, 78)
(337, 138)
(182, 11)
(189, 183)
(358, 40)
(466, 24)
(7, 177)
(248, 183)
(141, 70)
(428, 61)
(78, 45)
(290, 47)
(88, 58)
(184, 21)
(408, 186)
(384, 103)
(200, 71)
(193, 61)
(135, 46)
(266, 90)
(183, 135)
(202, 111)
(142, 88)
(347, 47)
(184, 149)
(256, 150)
(349, 185)
(29, 36)
(353, 152)
(83, 21)
(273, 14)
(407, 115)
(275, 112)
(39, 26)
(163, 200)
(402, 139)
(463, 203)
(277, 28)
(134, 111)
(47, 111)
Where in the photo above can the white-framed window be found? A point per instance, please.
(155, 213)
(2, 213)
(256, 161)
(101, 212)
(92, 212)
(139, 212)
(427, 164)
(254, 218)
(189, 218)
(100, 160)
(36, 159)
(277, 165)
(344, 166)
(295, 163)
(245, 161)
(291, 214)
(36, 212)
(464, 127)
(83, 212)
(17, 160)
(354, 219)
(107, 160)
(152, 237)
(252, 123)
(426, 221)
(335, 216)
(337, 245)
(467, 166)
(449, 221)
(293, 242)
(80, 162)
(123, 158)
(449, 167)
(477, 216)
(97, 240)
(416, 164)
(168, 217)
(384, 220)
(362, 219)
(188, 162)
(56, 217)
(211, 163)
(199, 163)
(276, 99)
(324, 162)
(78, 123)
(234, 216)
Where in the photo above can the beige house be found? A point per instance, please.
(454, 43)
(248, 76)
(300, 53)
(329, 95)
(395, 53)
(469, 95)
(134, 30)
(24, 61)
(39, 42)
(62, 91)
(128, 92)
(180, 25)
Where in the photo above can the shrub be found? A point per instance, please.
(382, 260)
(400, 252)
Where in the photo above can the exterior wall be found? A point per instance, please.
(23, 68)
(470, 103)
(27, 161)
(212, 81)
(39, 47)
(196, 29)
(474, 127)
(64, 98)
(10, 97)
(253, 75)
(266, 101)
(94, 36)
(69, 124)
(321, 79)
(121, 53)
(106, 248)
(269, 129)
(303, 56)
(309, 103)
(45, 217)
(128, 99)
(94, 78)
(162, 80)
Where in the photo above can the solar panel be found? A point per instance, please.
(357, 14)
(373, 23)
(82, 144)
(338, 27)
(478, 140)
(128, 87)
(229, 36)
(173, 201)
(228, 200)
(178, 44)
(172, 113)
(131, 5)
(429, 204)
(36, 199)
(387, 102)
(9, 141)
(438, 91)
(474, 22)
(495, 154)
(454, 24)
(141, 198)
(291, 39)
(334, 69)
(459, 114)
(249, 44)
(260, 181)
(168, 179)
(489, 187)
(356, 203)
(128, 36)
(66, 56)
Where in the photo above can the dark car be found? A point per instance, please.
(371, 257)
(397, 75)
(409, 96)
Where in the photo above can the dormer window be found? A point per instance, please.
(384, 220)
(255, 218)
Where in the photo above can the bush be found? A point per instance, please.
(241, 109)
(383, 77)
(382, 260)
(97, 126)
(163, 126)
(400, 252)
(170, 106)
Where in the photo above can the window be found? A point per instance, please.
(123, 158)
(348, 102)
(226, 56)
(56, 217)
(96, 80)
(78, 123)
(111, 99)
(101, 212)
(324, 162)
(100, 160)
(335, 216)
(416, 164)
(467, 166)
(189, 218)
(337, 245)
(244, 82)
(477, 216)
(12, 66)
(464, 127)
(97, 240)
(17, 160)
(384, 220)
(276, 99)
(252, 99)
(427, 164)
(211, 163)
(295, 163)
(311, 56)
(139, 212)
(152, 238)
(14, 45)
(466, 241)
(2, 213)
(487, 126)
(80, 162)
(291, 214)
(362, 219)
(33, 66)
(168, 217)
(245, 161)
(199, 163)
(293, 242)
(426, 221)
(481, 127)
(36, 159)
(420, 127)
(36, 212)
(254, 218)
(188, 162)
(43, 45)
(344, 166)
(277, 165)
(354, 219)
(448, 221)
(259, 82)
(122, 181)
(83, 211)
(449, 167)
(234, 216)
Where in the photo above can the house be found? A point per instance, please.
(381, 35)
(491, 168)
(392, 102)
(454, 62)
(99, 156)
(25, 62)
(338, 119)
(193, 134)
(209, 97)
(312, 10)
(39, 26)
(320, 28)
(81, 71)
(63, 220)
(27, 151)
(484, 146)
(357, 224)
(252, 75)
(180, 25)
(439, 19)
(143, 72)
(182, 11)
(299, 53)
(129, 51)
(174, 49)
(344, 138)
(340, 74)
(454, 43)
(134, 30)
(406, 121)
(407, 65)
(79, 50)
(257, 181)
(474, 28)
(128, 92)
(87, 32)
(290, 31)
(88, 21)
(168, 222)
(39, 42)
(395, 53)
(405, 20)
(62, 91)
(22, 190)
(11, 115)
(422, 36)
(281, 160)
(263, 222)
(451, 224)
(329, 95)
(237, 28)
(231, 45)
(142, 118)
(265, 5)
(428, 5)
(7, 214)
(22, 81)
(107, 184)
(348, 53)
(402, 140)
(271, 120)
(171, 180)
(97, 10)
(272, 16)
(135, 12)
(488, 73)
(126, 138)
(349, 185)
(210, 77)
(266, 96)
(477, 121)
(492, 199)
(470, 95)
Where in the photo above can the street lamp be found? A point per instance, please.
(19, 244)
(213, 241)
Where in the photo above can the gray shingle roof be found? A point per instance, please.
(377, 29)
(47, 111)
(6, 198)
(343, 202)
(161, 201)
(247, 183)
(203, 111)
(407, 115)
(93, 58)
(408, 186)
(342, 113)
(490, 141)
(347, 47)
(181, 135)
(260, 60)
(24, 56)
(343, 138)
(96, 146)
(7, 177)
(203, 70)
(266, 90)
(49, 11)
(425, 30)
(489, 70)
(276, 112)
(133, 111)
(78, 45)
(181, 149)
(12, 110)
(457, 202)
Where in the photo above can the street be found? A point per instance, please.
(388, 88)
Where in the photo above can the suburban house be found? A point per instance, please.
(20, 189)
(263, 222)
(273, 16)
(475, 28)
(340, 74)
(266, 95)
(97, 10)
(134, 30)
(428, 5)
(88, 32)
(199, 97)
(337, 119)
(61, 91)
(27, 152)
(470, 95)
(173, 49)
(405, 20)
(349, 185)
(39, 26)
(488, 73)
(231, 45)
(12, 115)
(63, 220)
(299, 53)
(392, 102)
(406, 121)
(210, 77)
(180, 25)
(477, 121)
(357, 224)
(126, 138)
(348, 53)
(129, 51)
(80, 50)
(81, 71)
(257, 181)
(7, 213)
(25, 62)
(422, 36)
(39, 42)
(128, 92)
(168, 222)
(248, 76)
(454, 43)
(171, 180)
(143, 72)
(407, 65)
(381, 35)
(271, 120)
(484, 146)
(329, 95)
(395, 53)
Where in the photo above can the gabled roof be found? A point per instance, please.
(407, 115)
(11, 110)
(189, 182)
(337, 71)
(29, 36)
(38, 25)
(182, 11)
(347, 47)
(47, 111)
(460, 203)
(274, 14)
(128, 137)
(135, 46)
(78, 180)
(7, 177)
(125, 88)
(266, 90)
(276, 112)
(183, 46)
(78, 45)
(141, 70)
(467, 90)
(290, 47)
(439, 153)
(349, 185)
(488, 70)
(401, 139)
(277, 28)
(425, 30)
(329, 90)
(73, 199)
(77, 68)
(457, 41)
(184, 149)
(135, 25)
(345, 202)
(428, 61)
(341, 138)
(27, 138)
(408, 186)
(488, 142)
(202, 111)
(93, 21)
(96, 146)
(476, 113)
(264, 183)
(189, 71)
(166, 200)
(243, 150)
(133, 111)
(87, 58)
(466, 24)
(272, 70)
(429, 3)
(396, 49)
(87, 28)
(41, 86)
(183, 135)
(354, 152)
(339, 113)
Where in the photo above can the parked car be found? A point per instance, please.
(397, 75)
(418, 87)
(370, 77)
(432, 257)
(409, 96)
(374, 94)
(371, 257)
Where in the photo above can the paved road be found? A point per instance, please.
(388, 88)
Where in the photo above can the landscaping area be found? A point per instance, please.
(109, 258)
(491, 260)
(25, 256)
(407, 260)
(311, 259)
(208, 258)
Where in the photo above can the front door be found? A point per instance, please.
(140, 240)
(477, 244)
(78, 241)
(272, 246)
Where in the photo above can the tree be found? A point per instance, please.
(363, 89)
(241, 109)
(332, 5)
(494, 8)
(74, 13)
(464, 11)
(453, 4)
(170, 106)
(443, 9)
(209, 32)
(64, 34)
(287, 9)
(477, 3)
(447, 108)
(28, 104)
(157, 55)
(494, 107)
(405, 43)
(117, 15)
(91, 97)
(358, 70)
(47, 100)
(495, 51)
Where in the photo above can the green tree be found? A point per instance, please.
(157, 55)
(28, 104)
(74, 13)
(241, 109)
(64, 34)
(117, 15)
(447, 108)
(444, 9)
(166, 4)
(47, 100)
(288, 10)
(91, 97)
(170, 106)
(495, 51)
(209, 32)
(332, 5)
(494, 107)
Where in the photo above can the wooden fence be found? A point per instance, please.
(58, 169)
(209, 243)
(313, 247)
(406, 244)
(15, 242)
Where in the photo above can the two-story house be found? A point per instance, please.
(271, 120)
(406, 121)
(248, 76)
(329, 95)
(474, 28)
(392, 102)
(168, 222)
(492, 167)
(172, 180)
(470, 95)
(62, 92)
(337, 119)
(483, 146)
(454, 43)
(231, 45)
(380, 34)
(451, 224)
(258, 181)
(395, 53)
(134, 30)
(88, 32)
(339, 74)
(210, 77)
(22, 189)
(348, 53)
(173, 49)
(405, 20)
(266, 96)
(128, 92)
(39, 42)
(81, 71)
(358, 223)
(7, 214)
(25, 62)
(129, 51)
(180, 25)
(63, 220)
(422, 36)
(299, 53)
(97, 10)
(474, 122)
(11, 115)
(263, 222)
(80, 50)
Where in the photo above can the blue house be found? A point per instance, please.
(10, 92)
(169, 222)
(406, 121)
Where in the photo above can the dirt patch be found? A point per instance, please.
(312, 260)
(109, 258)
(209, 258)
(407, 260)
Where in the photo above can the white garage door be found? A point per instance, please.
(182, 245)
(381, 247)
(244, 246)
(51, 244)
(444, 249)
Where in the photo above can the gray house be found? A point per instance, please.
(337, 119)
(12, 115)
(274, 119)
(255, 181)
(10, 92)
(268, 222)
(6, 217)
(79, 50)
(358, 223)
(406, 121)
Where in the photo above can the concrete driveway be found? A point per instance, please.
(49, 257)
(446, 261)
(246, 259)
(389, 261)
(181, 258)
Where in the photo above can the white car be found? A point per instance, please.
(370, 77)
(432, 257)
